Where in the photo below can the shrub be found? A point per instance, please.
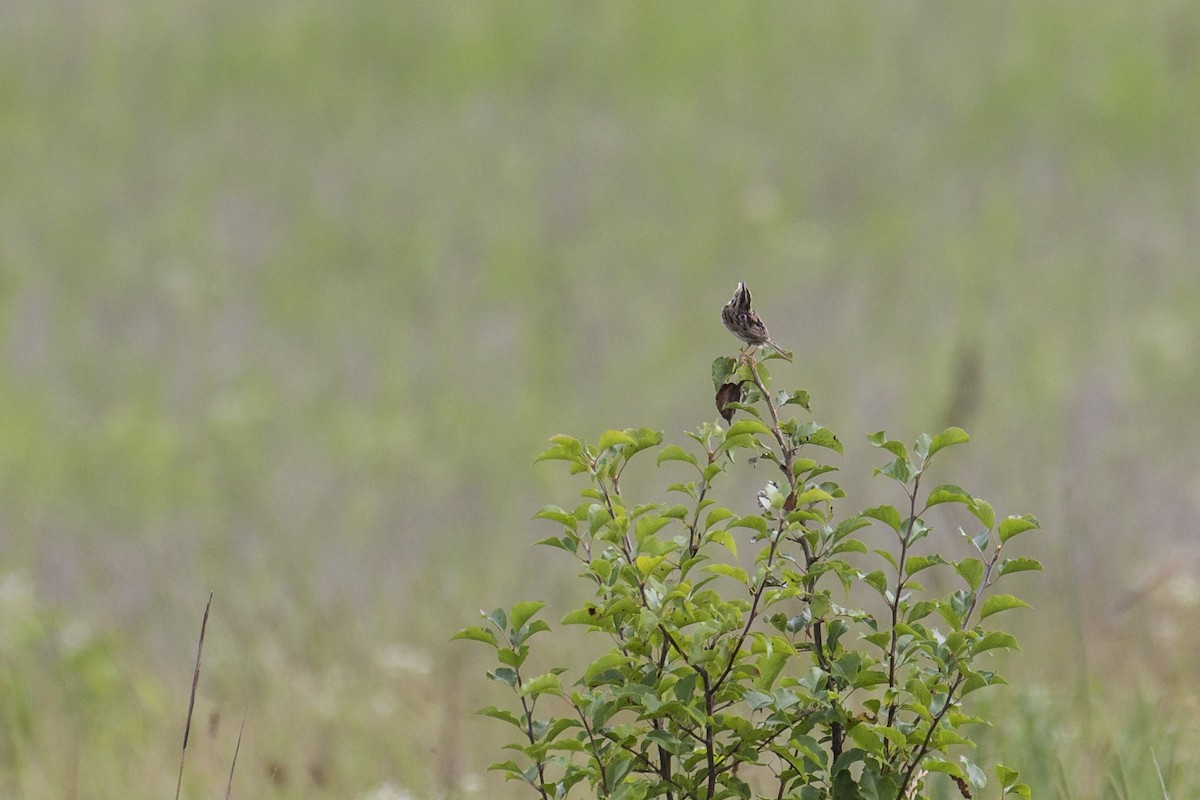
(822, 670)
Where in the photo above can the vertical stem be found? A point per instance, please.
(710, 754)
(187, 727)
(595, 749)
(527, 707)
(895, 604)
(788, 450)
(924, 748)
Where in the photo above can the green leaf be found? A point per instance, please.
(922, 446)
(730, 443)
(588, 615)
(746, 426)
(1012, 526)
(729, 571)
(743, 407)
(974, 774)
(612, 438)
(535, 626)
(918, 563)
(849, 526)
(567, 543)
(674, 452)
(900, 469)
(885, 514)
(877, 579)
(722, 368)
(971, 570)
(995, 639)
(891, 445)
(848, 546)
(605, 663)
(803, 465)
(514, 772)
(542, 684)
(1000, 602)
(512, 658)
(724, 538)
(1008, 779)
(755, 522)
(980, 540)
(800, 398)
(948, 493)
(521, 612)
(814, 495)
(648, 526)
(818, 435)
(504, 675)
(502, 715)
(946, 438)
(950, 612)
(566, 448)
(476, 634)
(947, 767)
(685, 688)
(558, 515)
(718, 514)
(616, 771)
(983, 512)
(646, 437)
(786, 355)
(672, 744)
(1010, 565)
(844, 784)
(647, 564)
(891, 734)
(769, 667)
(865, 737)
(917, 530)
(757, 700)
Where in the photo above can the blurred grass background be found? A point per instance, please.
(291, 295)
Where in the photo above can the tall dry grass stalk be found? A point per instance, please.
(187, 726)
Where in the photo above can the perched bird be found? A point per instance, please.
(743, 323)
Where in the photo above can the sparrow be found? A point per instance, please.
(745, 324)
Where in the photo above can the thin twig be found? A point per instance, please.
(187, 727)
(915, 764)
(894, 605)
(596, 751)
(233, 765)
(788, 449)
(710, 750)
(649, 768)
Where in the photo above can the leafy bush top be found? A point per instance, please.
(727, 680)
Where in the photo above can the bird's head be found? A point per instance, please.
(741, 297)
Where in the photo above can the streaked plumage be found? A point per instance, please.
(745, 324)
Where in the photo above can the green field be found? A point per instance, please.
(291, 296)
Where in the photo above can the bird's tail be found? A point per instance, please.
(783, 353)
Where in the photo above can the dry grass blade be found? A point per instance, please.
(236, 749)
(187, 726)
